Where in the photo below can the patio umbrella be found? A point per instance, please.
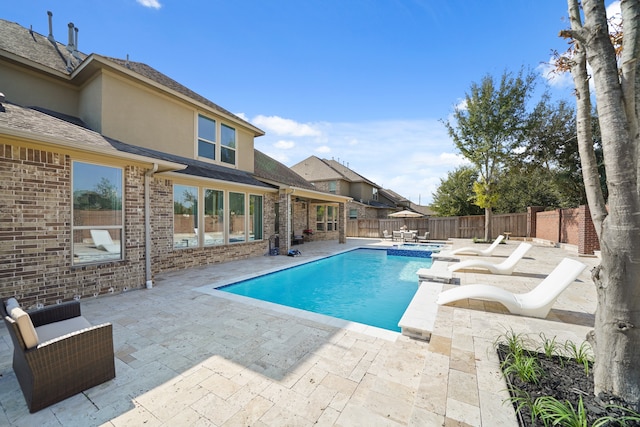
(406, 214)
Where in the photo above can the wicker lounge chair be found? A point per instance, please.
(535, 303)
(297, 238)
(56, 352)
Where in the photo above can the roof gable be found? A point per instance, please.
(270, 169)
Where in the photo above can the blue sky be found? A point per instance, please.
(365, 82)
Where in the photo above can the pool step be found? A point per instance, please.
(420, 316)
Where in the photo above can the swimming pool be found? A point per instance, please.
(363, 285)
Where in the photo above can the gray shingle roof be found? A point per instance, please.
(270, 169)
(35, 47)
(41, 122)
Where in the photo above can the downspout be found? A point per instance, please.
(148, 175)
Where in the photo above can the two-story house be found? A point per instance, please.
(369, 199)
(111, 172)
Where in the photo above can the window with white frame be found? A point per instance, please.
(228, 144)
(236, 217)
(375, 194)
(333, 187)
(320, 217)
(97, 224)
(353, 213)
(255, 217)
(185, 216)
(206, 137)
(332, 218)
(213, 217)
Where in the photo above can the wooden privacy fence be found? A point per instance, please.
(442, 227)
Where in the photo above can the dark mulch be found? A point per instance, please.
(566, 380)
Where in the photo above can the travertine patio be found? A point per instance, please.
(184, 357)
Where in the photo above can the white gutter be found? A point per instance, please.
(148, 175)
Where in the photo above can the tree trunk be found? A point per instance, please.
(616, 335)
(487, 224)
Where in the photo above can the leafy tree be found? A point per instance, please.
(489, 127)
(615, 73)
(454, 196)
(526, 185)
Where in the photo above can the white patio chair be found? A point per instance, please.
(535, 303)
(505, 267)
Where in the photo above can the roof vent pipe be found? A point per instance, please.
(70, 46)
(75, 51)
(50, 37)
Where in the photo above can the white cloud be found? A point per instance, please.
(406, 156)
(154, 4)
(288, 127)
(284, 145)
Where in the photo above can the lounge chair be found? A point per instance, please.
(468, 250)
(386, 235)
(57, 353)
(102, 240)
(397, 235)
(505, 267)
(535, 303)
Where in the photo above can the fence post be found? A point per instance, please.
(531, 220)
(588, 238)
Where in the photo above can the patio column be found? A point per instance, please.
(284, 223)
(342, 223)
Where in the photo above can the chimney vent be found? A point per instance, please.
(50, 37)
(70, 46)
(2, 98)
(75, 51)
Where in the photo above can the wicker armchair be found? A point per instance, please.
(60, 367)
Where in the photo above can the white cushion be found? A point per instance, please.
(25, 326)
(57, 329)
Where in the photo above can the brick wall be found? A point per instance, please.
(571, 226)
(35, 232)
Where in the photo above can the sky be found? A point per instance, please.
(364, 82)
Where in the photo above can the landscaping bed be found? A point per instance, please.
(547, 384)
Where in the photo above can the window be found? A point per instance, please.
(375, 194)
(97, 213)
(332, 218)
(228, 145)
(326, 218)
(213, 217)
(185, 216)
(332, 187)
(353, 213)
(255, 219)
(236, 217)
(206, 137)
(320, 219)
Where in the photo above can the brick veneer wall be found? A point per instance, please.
(571, 226)
(35, 232)
(166, 258)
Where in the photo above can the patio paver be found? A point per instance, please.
(186, 357)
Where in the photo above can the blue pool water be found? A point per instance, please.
(364, 285)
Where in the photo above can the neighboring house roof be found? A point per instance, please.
(270, 169)
(392, 195)
(25, 44)
(314, 168)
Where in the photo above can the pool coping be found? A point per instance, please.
(416, 322)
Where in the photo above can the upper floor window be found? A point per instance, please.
(228, 144)
(332, 187)
(206, 137)
(375, 194)
(97, 227)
